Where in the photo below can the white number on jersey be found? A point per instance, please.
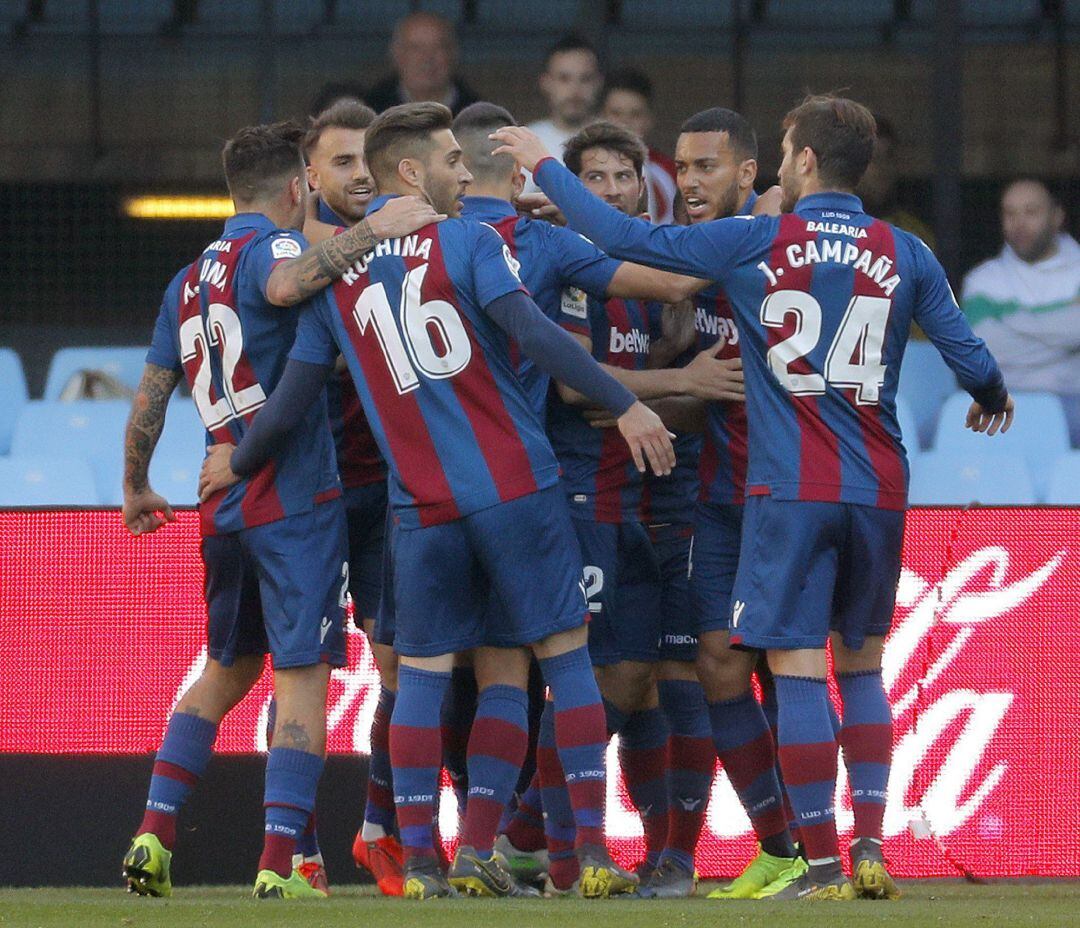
(419, 321)
(859, 337)
(221, 331)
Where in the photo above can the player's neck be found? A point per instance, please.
(494, 191)
(272, 211)
(814, 185)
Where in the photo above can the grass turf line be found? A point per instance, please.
(949, 904)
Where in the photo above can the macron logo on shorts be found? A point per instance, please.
(736, 612)
(324, 628)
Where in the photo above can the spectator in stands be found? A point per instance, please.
(878, 188)
(570, 82)
(424, 52)
(335, 92)
(627, 101)
(1026, 301)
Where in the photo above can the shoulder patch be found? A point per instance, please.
(574, 302)
(285, 248)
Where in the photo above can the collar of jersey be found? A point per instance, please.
(748, 206)
(485, 208)
(380, 201)
(248, 221)
(847, 202)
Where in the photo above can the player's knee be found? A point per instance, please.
(850, 660)
(562, 642)
(630, 685)
(220, 688)
(724, 671)
(501, 667)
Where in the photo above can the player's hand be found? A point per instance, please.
(144, 511)
(538, 206)
(768, 204)
(648, 439)
(709, 378)
(522, 144)
(216, 473)
(402, 216)
(979, 420)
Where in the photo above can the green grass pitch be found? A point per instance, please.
(948, 904)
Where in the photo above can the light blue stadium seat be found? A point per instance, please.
(46, 481)
(1064, 486)
(13, 395)
(925, 383)
(124, 363)
(956, 477)
(90, 429)
(174, 470)
(909, 429)
(1039, 433)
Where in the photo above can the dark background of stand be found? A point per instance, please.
(67, 820)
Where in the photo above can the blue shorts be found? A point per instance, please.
(383, 632)
(523, 551)
(365, 510)
(622, 583)
(678, 632)
(808, 568)
(281, 588)
(714, 562)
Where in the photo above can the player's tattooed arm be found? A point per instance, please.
(141, 504)
(295, 280)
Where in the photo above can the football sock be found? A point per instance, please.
(537, 697)
(867, 738)
(525, 829)
(745, 747)
(643, 756)
(457, 713)
(558, 814)
(292, 780)
(808, 757)
(497, 748)
(415, 750)
(614, 717)
(771, 710)
(180, 761)
(307, 843)
(692, 761)
(581, 739)
(379, 807)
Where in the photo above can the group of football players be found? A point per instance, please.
(515, 430)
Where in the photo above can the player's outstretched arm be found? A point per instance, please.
(143, 509)
(556, 353)
(703, 251)
(225, 464)
(293, 281)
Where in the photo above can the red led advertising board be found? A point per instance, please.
(102, 632)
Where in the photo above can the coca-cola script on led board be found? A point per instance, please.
(102, 632)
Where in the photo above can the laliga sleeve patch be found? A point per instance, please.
(575, 303)
(511, 262)
(285, 248)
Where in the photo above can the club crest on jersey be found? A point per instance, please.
(512, 263)
(575, 303)
(285, 248)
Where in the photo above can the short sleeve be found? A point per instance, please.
(494, 268)
(315, 343)
(270, 250)
(579, 261)
(164, 346)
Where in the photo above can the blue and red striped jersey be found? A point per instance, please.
(598, 473)
(670, 500)
(554, 263)
(217, 327)
(359, 461)
(433, 370)
(824, 299)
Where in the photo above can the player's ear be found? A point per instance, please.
(312, 178)
(807, 162)
(410, 171)
(296, 190)
(518, 180)
(747, 173)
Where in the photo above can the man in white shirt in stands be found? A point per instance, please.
(1025, 302)
(570, 83)
(627, 101)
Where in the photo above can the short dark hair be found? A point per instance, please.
(632, 79)
(741, 135)
(344, 114)
(839, 131)
(402, 131)
(605, 135)
(334, 91)
(571, 42)
(259, 160)
(471, 127)
(1031, 179)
